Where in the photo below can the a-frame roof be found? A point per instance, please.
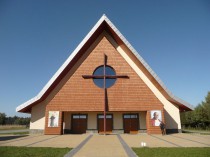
(103, 24)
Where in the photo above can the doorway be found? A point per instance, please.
(131, 123)
(79, 123)
(109, 123)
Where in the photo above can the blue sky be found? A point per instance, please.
(36, 37)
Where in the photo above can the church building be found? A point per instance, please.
(104, 86)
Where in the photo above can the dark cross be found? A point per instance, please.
(104, 77)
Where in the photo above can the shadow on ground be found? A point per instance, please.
(6, 138)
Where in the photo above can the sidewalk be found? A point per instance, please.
(171, 140)
(87, 145)
(102, 146)
(58, 141)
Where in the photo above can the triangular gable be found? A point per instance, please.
(103, 23)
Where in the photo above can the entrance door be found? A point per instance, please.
(130, 123)
(79, 123)
(109, 123)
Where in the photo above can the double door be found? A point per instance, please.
(79, 123)
(130, 123)
(109, 123)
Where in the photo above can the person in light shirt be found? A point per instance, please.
(155, 120)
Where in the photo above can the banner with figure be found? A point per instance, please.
(156, 117)
(53, 118)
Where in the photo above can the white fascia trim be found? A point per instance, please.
(59, 71)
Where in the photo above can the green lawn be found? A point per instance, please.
(202, 132)
(12, 127)
(172, 152)
(15, 133)
(20, 133)
(33, 152)
(198, 130)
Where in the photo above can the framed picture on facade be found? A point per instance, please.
(156, 117)
(53, 118)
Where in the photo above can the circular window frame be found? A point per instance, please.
(109, 84)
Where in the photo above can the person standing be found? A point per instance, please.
(162, 127)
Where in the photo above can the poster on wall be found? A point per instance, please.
(156, 117)
(53, 118)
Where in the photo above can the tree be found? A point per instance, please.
(206, 108)
(200, 117)
(14, 120)
(2, 118)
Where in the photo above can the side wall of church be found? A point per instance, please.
(38, 117)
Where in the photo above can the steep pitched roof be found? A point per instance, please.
(103, 24)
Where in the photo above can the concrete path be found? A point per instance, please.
(94, 146)
(102, 146)
(87, 145)
(173, 140)
(59, 141)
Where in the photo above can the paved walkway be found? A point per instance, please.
(59, 141)
(101, 146)
(173, 140)
(87, 145)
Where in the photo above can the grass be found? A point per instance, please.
(12, 127)
(172, 152)
(20, 133)
(199, 130)
(196, 128)
(202, 132)
(33, 152)
(15, 133)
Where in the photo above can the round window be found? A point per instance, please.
(109, 71)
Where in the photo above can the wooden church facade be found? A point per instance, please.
(104, 77)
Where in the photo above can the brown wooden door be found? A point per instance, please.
(109, 123)
(126, 125)
(79, 124)
(131, 123)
